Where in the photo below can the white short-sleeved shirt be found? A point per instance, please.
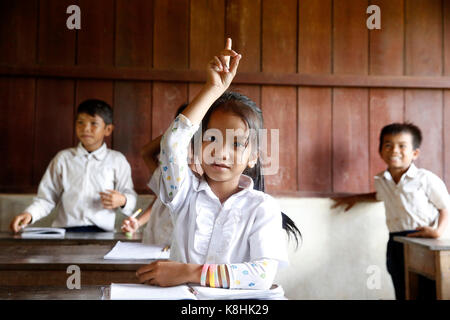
(414, 201)
(246, 227)
(72, 183)
(159, 228)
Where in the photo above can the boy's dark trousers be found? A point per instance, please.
(396, 266)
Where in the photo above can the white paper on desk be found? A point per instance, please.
(147, 292)
(136, 251)
(207, 293)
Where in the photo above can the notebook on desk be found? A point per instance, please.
(42, 233)
(190, 292)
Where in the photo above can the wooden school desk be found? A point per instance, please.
(7, 238)
(46, 265)
(51, 293)
(430, 258)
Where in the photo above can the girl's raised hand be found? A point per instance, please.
(222, 69)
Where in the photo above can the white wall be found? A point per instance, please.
(338, 248)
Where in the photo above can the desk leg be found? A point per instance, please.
(442, 275)
(411, 278)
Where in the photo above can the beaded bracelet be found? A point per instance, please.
(224, 276)
(203, 276)
(212, 271)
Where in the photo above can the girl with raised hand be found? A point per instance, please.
(226, 233)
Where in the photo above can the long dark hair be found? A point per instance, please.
(245, 108)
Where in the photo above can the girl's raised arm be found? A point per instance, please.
(220, 72)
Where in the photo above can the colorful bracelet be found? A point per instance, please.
(203, 276)
(216, 276)
(212, 271)
(224, 276)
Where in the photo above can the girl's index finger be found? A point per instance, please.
(228, 44)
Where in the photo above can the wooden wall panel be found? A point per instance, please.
(350, 36)
(56, 44)
(279, 54)
(243, 25)
(206, 36)
(132, 99)
(327, 133)
(385, 107)
(279, 111)
(315, 139)
(16, 132)
(18, 32)
(53, 122)
(170, 52)
(446, 36)
(95, 44)
(167, 98)
(350, 106)
(207, 31)
(314, 104)
(134, 29)
(423, 32)
(350, 141)
(171, 34)
(387, 44)
(424, 109)
(447, 138)
(279, 38)
(385, 58)
(132, 115)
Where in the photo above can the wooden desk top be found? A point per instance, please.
(58, 257)
(430, 244)
(71, 238)
(51, 293)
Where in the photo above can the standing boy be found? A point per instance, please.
(85, 183)
(416, 200)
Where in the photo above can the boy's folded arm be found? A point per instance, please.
(49, 192)
(173, 178)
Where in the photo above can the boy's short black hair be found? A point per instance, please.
(406, 127)
(96, 107)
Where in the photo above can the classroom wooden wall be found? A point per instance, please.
(321, 77)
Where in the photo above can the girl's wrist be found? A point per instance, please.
(213, 90)
(193, 272)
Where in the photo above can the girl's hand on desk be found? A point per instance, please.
(168, 273)
(425, 232)
(20, 221)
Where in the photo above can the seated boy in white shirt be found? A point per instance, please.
(416, 200)
(85, 183)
